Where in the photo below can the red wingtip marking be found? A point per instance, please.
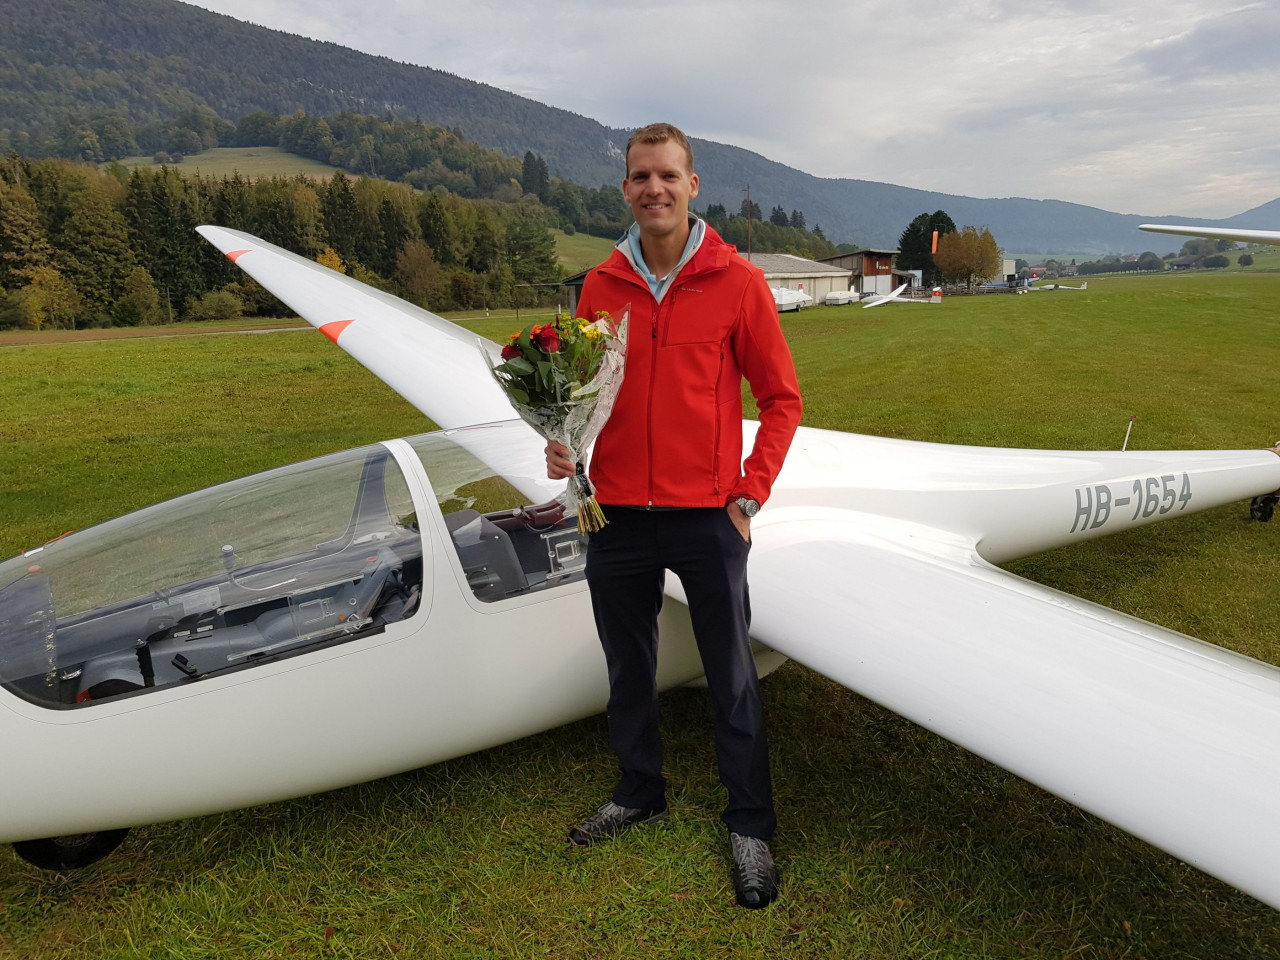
(234, 255)
(334, 330)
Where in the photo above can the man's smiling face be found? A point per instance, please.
(659, 186)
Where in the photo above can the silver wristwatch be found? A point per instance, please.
(748, 506)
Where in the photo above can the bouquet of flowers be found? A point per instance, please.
(562, 378)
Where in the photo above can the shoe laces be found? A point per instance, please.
(752, 856)
(608, 814)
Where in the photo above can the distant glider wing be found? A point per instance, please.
(432, 363)
(1163, 735)
(1213, 233)
(885, 299)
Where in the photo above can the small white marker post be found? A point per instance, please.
(1125, 445)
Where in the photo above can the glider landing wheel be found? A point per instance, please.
(1262, 508)
(70, 852)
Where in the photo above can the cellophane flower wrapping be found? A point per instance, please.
(562, 378)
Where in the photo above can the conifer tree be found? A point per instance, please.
(94, 250)
(24, 244)
(437, 232)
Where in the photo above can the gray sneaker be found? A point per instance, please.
(755, 877)
(609, 821)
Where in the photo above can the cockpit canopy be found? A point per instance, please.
(275, 565)
(237, 574)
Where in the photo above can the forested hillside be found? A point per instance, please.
(79, 246)
(147, 60)
(71, 70)
(83, 246)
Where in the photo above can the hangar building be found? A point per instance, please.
(871, 271)
(814, 277)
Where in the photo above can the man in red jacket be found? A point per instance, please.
(670, 478)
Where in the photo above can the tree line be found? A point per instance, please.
(1205, 253)
(778, 234)
(424, 156)
(80, 246)
(411, 151)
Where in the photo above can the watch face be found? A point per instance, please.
(749, 507)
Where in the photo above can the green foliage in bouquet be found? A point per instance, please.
(546, 365)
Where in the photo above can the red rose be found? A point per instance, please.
(547, 339)
(511, 351)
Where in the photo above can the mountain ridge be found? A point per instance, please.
(149, 59)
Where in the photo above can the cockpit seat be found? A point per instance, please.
(276, 626)
(488, 557)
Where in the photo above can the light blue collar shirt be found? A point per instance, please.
(630, 247)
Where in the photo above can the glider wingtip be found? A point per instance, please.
(334, 330)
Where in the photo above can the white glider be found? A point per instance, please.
(377, 610)
(1053, 286)
(897, 297)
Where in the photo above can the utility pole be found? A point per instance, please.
(748, 221)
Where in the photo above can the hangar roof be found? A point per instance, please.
(787, 265)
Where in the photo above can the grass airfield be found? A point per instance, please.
(893, 843)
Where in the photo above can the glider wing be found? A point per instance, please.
(434, 364)
(896, 294)
(1166, 736)
(1213, 233)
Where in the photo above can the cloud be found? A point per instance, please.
(1234, 42)
(1135, 105)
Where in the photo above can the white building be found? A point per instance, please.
(796, 273)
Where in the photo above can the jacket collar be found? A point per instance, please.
(712, 254)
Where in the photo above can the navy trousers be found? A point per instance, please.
(627, 562)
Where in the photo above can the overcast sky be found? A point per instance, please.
(1134, 106)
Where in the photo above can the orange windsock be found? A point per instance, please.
(935, 242)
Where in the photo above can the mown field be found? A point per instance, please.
(893, 843)
(251, 162)
(580, 251)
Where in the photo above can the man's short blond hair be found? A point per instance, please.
(661, 133)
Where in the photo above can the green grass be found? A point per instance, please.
(251, 162)
(893, 843)
(580, 251)
(1264, 258)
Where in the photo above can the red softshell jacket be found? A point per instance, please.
(674, 438)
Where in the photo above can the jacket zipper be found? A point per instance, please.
(653, 367)
(653, 370)
(715, 444)
(671, 310)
